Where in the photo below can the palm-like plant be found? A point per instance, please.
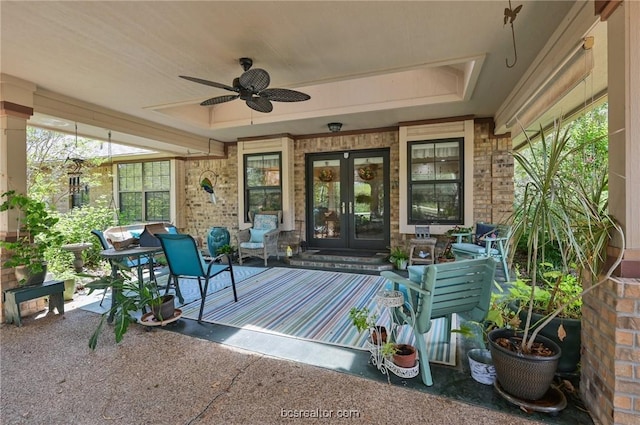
(564, 212)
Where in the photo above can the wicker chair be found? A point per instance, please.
(261, 240)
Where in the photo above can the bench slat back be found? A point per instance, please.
(462, 287)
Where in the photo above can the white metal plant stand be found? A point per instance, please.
(389, 299)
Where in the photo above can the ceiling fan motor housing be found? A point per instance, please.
(246, 63)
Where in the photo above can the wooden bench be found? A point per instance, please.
(13, 298)
(440, 290)
(489, 240)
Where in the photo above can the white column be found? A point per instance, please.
(16, 107)
(624, 123)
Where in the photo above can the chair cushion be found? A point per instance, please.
(265, 221)
(257, 235)
(252, 245)
(473, 248)
(416, 273)
(484, 230)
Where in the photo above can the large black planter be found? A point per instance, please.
(526, 377)
(571, 346)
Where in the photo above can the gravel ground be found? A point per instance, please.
(50, 376)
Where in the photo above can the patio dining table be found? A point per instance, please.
(138, 254)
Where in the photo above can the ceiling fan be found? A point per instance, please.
(251, 87)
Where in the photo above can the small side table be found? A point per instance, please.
(425, 246)
(77, 248)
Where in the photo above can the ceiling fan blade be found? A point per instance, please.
(209, 83)
(284, 95)
(255, 80)
(260, 104)
(219, 99)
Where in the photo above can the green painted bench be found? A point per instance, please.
(440, 290)
(13, 298)
(487, 240)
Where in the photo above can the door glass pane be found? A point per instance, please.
(326, 199)
(368, 199)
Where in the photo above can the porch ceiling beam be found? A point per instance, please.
(57, 105)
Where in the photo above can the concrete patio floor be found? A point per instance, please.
(207, 373)
(50, 376)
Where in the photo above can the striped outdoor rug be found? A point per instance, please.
(311, 305)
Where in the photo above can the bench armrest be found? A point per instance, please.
(461, 235)
(409, 284)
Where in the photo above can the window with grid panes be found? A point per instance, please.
(262, 183)
(436, 181)
(144, 191)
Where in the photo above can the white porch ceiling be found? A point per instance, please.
(365, 64)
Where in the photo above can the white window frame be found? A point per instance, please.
(175, 182)
(428, 132)
(283, 145)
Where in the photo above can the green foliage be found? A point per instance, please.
(362, 318)
(226, 249)
(398, 253)
(389, 349)
(37, 233)
(567, 170)
(560, 209)
(130, 298)
(554, 290)
(500, 315)
(75, 226)
(48, 154)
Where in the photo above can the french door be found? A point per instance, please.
(347, 200)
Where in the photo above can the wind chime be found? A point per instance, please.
(75, 171)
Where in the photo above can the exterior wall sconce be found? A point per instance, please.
(334, 127)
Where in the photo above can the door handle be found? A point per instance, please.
(350, 207)
(342, 210)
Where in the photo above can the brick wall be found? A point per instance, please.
(492, 175)
(611, 352)
(493, 181)
(200, 213)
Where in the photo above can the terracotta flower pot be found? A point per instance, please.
(379, 335)
(405, 355)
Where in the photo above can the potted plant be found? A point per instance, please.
(553, 290)
(402, 355)
(554, 211)
(400, 257)
(69, 279)
(35, 234)
(363, 320)
(130, 298)
(226, 252)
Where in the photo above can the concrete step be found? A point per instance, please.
(372, 263)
